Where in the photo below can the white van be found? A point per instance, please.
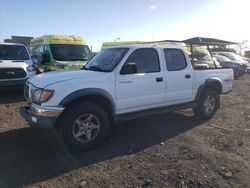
(16, 65)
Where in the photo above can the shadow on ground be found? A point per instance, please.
(29, 155)
(11, 96)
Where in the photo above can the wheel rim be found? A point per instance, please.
(86, 127)
(209, 104)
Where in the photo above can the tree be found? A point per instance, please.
(243, 46)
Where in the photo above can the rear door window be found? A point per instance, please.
(175, 59)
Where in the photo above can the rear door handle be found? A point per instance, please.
(125, 82)
(187, 76)
(159, 79)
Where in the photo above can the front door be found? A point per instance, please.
(140, 84)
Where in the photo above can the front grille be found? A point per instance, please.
(12, 73)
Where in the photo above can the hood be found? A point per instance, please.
(242, 62)
(14, 63)
(46, 79)
(238, 62)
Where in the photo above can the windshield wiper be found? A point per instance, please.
(78, 59)
(94, 68)
(84, 58)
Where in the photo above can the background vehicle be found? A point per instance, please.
(202, 57)
(15, 65)
(58, 52)
(248, 65)
(237, 67)
(235, 58)
(122, 83)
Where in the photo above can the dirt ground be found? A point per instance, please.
(165, 150)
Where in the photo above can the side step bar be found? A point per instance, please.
(133, 115)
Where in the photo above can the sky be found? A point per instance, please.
(100, 21)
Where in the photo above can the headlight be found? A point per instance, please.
(30, 68)
(41, 95)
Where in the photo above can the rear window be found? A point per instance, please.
(13, 52)
(201, 56)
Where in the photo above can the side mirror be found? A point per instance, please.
(45, 59)
(129, 68)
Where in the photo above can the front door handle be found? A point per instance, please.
(159, 79)
(187, 76)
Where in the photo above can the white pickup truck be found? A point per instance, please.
(16, 65)
(121, 83)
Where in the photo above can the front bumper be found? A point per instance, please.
(39, 116)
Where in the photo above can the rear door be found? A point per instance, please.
(143, 89)
(180, 77)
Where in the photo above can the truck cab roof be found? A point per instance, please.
(150, 45)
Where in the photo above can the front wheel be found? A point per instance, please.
(208, 104)
(84, 126)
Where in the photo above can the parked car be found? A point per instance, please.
(59, 52)
(121, 83)
(225, 63)
(16, 65)
(235, 58)
(248, 65)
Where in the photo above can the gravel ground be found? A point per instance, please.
(165, 150)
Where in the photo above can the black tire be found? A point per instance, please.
(67, 125)
(201, 110)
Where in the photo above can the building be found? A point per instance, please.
(19, 39)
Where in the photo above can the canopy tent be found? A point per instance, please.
(198, 41)
(208, 41)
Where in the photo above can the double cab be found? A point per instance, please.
(121, 83)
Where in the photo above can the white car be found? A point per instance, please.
(16, 65)
(121, 83)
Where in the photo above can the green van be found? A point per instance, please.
(59, 52)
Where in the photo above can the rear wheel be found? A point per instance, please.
(208, 104)
(84, 126)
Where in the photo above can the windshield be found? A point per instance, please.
(13, 52)
(107, 59)
(222, 58)
(70, 52)
(232, 56)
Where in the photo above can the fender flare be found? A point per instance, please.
(88, 92)
(209, 83)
